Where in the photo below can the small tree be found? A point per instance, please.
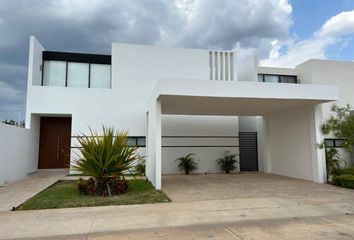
(341, 125)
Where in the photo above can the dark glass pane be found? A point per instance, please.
(338, 142)
(288, 79)
(141, 141)
(131, 141)
(329, 142)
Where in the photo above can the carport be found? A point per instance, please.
(290, 127)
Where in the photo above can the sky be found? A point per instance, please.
(281, 33)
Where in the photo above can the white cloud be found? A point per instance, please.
(91, 26)
(342, 23)
(330, 33)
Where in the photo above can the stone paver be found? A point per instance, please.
(294, 209)
(14, 194)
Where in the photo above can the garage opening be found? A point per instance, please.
(289, 124)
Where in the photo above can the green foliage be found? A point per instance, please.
(341, 125)
(346, 181)
(14, 123)
(64, 194)
(332, 161)
(343, 171)
(104, 157)
(140, 166)
(187, 164)
(227, 163)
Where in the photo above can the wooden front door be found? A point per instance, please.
(54, 143)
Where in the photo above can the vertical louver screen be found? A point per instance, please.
(221, 65)
(248, 151)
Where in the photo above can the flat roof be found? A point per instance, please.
(237, 98)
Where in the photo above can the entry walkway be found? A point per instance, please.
(14, 194)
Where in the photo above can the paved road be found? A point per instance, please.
(257, 218)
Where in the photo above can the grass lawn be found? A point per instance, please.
(64, 194)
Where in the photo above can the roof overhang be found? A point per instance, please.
(210, 97)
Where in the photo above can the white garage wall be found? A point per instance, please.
(288, 143)
(19, 152)
(213, 128)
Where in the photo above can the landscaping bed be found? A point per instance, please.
(64, 194)
(343, 177)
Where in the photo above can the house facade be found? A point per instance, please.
(178, 101)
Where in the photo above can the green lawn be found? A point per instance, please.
(64, 194)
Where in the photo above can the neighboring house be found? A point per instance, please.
(176, 101)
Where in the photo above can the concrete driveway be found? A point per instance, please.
(245, 206)
(181, 188)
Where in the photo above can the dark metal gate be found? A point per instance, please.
(248, 151)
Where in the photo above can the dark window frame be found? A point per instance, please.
(66, 73)
(277, 75)
(136, 138)
(334, 142)
(77, 58)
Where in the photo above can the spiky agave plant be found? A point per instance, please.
(104, 157)
(188, 164)
(227, 163)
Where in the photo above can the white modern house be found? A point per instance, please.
(175, 101)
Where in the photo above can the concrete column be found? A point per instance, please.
(153, 163)
(318, 155)
(267, 163)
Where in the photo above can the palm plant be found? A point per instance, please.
(187, 164)
(227, 163)
(141, 165)
(332, 161)
(104, 157)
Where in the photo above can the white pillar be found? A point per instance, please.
(318, 155)
(266, 153)
(153, 164)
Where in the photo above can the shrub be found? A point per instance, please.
(91, 187)
(343, 171)
(104, 157)
(187, 164)
(118, 186)
(227, 163)
(87, 187)
(346, 181)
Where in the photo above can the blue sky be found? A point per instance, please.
(282, 33)
(309, 15)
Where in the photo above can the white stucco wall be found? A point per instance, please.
(19, 152)
(135, 71)
(290, 144)
(213, 128)
(338, 73)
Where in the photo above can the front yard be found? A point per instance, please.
(64, 194)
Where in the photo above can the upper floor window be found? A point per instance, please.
(76, 70)
(277, 78)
